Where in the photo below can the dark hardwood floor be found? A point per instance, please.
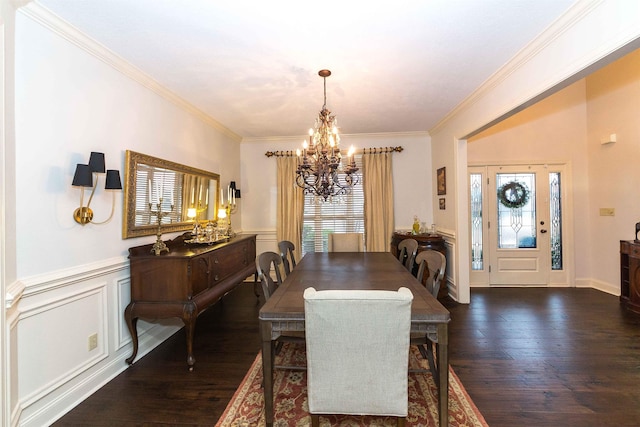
(526, 356)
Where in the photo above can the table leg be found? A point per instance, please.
(442, 356)
(267, 372)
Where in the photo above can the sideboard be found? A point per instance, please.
(185, 281)
(425, 241)
(630, 275)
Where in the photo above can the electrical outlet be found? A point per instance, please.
(607, 212)
(93, 341)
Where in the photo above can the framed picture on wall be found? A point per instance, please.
(442, 182)
(442, 203)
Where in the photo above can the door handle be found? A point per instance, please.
(543, 231)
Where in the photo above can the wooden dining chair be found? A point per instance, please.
(345, 242)
(431, 268)
(267, 264)
(287, 250)
(407, 250)
(343, 329)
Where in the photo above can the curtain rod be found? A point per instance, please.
(292, 153)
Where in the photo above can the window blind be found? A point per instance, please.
(340, 214)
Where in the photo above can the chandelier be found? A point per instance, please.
(321, 171)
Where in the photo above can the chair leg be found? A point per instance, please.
(315, 420)
(401, 421)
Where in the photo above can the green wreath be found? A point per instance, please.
(513, 195)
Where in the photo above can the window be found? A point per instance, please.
(343, 214)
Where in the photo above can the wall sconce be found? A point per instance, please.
(83, 177)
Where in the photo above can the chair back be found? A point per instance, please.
(265, 263)
(287, 249)
(407, 252)
(346, 242)
(357, 351)
(433, 264)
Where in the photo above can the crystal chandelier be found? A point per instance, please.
(321, 171)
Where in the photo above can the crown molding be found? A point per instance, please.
(378, 135)
(57, 25)
(556, 29)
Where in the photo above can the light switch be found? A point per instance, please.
(607, 212)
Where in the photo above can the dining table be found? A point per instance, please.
(283, 312)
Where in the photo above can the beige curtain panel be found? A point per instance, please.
(290, 204)
(377, 181)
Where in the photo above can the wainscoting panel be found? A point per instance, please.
(123, 297)
(56, 315)
(265, 240)
(450, 280)
(53, 341)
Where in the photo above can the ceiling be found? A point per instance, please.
(253, 65)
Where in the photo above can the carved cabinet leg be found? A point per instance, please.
(132, 324)
(189, 316)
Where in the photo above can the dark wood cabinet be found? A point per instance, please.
(185, 281)
(630, 275)
(425, 241)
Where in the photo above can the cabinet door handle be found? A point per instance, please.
(215, 277)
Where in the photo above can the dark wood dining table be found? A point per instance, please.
(284, 310)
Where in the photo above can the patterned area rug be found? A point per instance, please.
(246, 408)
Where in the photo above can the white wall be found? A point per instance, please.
(571, 125)
(552, 131)
(412, 180)
(590, 33)
(613, 107)
(69, 102)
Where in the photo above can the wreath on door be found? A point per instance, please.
(513, 194)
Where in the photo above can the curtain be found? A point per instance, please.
(290, 204)
(378, 201)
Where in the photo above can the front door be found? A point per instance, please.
(518, 225)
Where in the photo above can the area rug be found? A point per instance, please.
(246, 408)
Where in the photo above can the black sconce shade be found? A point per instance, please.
(113, 180)
(232, 185)
(83, 176)
(237, 194)
(96, 162)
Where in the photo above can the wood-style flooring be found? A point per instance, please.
(526, 356)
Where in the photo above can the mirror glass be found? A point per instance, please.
(161, 190)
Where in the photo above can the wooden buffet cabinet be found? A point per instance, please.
(630, 275)
(425, 241)
(185, 281)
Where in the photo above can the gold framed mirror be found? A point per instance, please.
(176, 194)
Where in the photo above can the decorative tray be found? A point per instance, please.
(204, 241)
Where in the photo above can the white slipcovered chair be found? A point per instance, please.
(345, 242)
(357, 352)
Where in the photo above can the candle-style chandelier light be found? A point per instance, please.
(320, 170)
